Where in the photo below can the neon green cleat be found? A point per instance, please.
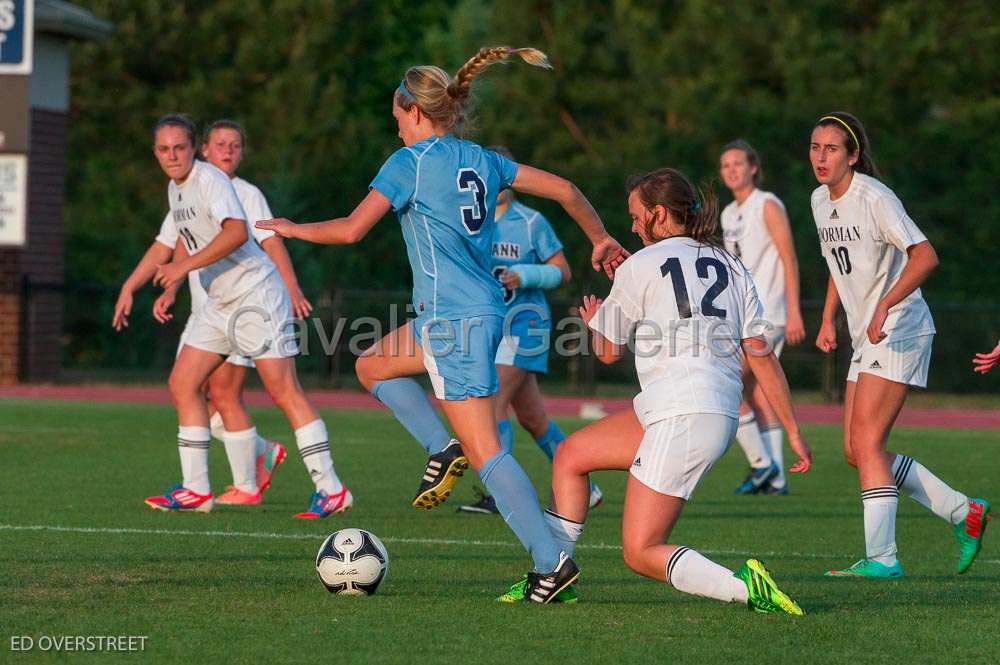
(516, 593)
(869, 568)
(764, 595)
(970, 532)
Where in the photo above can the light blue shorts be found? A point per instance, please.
(525, 342)
(459, 355)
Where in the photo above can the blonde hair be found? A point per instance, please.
(447, 102)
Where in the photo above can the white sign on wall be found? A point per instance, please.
(13, 199)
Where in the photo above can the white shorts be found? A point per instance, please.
(677, 452)
(775, 338)
(233, 359)
(258, 326)
(905, 361)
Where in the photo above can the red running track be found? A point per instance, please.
(979, 419)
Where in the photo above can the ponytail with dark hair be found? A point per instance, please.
(694, 209)
(855, 140)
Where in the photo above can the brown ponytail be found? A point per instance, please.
(694, 209)
(447, 102)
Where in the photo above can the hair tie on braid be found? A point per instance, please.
(695, 207)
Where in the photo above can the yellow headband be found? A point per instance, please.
(847, 127)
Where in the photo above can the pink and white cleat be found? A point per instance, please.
(234, 496)
(323, 505)
(267, 463)
(181, 499)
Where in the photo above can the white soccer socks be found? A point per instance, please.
(690, 572)
(241, 449)
(774, 438)
(928, 490)
(314, 447)
(217, 426)
(566, 532)
(192, 444)
(880, 505)
(749, 438)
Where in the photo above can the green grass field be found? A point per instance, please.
(82, 555)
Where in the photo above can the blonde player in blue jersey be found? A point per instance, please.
(691, 310)
(528, 259)
(878, 259)
(444, 190)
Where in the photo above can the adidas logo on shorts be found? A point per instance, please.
(875, 365)
(834, 215)
(638, 462)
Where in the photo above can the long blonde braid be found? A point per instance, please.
(446, 101)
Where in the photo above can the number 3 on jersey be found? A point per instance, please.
(475, 215)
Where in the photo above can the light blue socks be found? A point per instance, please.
(509, 485)
(413, 410)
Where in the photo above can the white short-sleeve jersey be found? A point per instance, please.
(198, 208)
(864, 236)
(255, 205)
(168, 236)
(688, 305)
(746, 236)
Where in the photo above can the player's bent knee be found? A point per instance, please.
(364, 368)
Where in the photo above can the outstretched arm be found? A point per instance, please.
(341, 231)
(984, 362)
(607, 254)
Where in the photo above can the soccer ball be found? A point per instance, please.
(352, 562)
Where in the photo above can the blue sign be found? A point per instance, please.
(16, 28)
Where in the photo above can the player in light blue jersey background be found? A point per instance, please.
(528, 259)
(444, 190)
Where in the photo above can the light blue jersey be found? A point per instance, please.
(444, 190)
(523, 236)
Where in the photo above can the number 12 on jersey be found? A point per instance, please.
(672, 268)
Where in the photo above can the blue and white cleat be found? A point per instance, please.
(181, 499)
(757, 479)
(323, 505)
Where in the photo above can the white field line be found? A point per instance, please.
(391, 539)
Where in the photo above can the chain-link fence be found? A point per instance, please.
(347, 320)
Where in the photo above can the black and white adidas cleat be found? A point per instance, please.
(440, 475)
(543, 588)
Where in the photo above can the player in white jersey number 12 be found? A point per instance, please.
(692, 311)
(755, 228)
(878, 259)
(247, 311)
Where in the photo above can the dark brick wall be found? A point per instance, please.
(31, 318)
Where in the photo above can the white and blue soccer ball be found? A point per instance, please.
(352, 562)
